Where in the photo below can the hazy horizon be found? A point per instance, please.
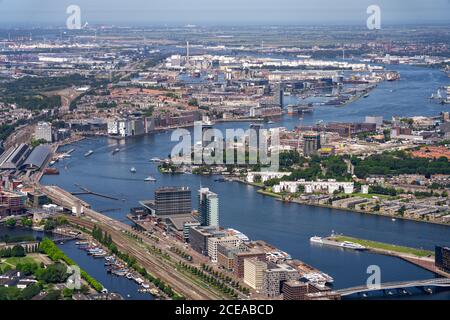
(231, 12)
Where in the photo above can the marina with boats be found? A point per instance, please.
(116, 267)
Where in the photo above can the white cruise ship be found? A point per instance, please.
(344, 244)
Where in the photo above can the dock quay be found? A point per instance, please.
(418, 257)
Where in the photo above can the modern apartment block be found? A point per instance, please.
(11, 203)
(254, 273)
(213, 242)
(226, 254)
(199, 236)
(240, 257)
(275, 275)
(128, 127)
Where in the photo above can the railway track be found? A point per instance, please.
(154, 266)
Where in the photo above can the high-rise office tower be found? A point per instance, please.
(208, 207)
(311, 143)
(173, 200)
(278, 94)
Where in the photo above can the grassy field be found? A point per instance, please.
(370, 196)
(268, 193)
(12, 262)
(387, 247)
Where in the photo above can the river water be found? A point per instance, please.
(287, 226)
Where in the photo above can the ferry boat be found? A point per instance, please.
(155, 160)
(344, 244)
(150, 179)
(133, 170)
(90, 152)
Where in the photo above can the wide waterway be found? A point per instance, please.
(285, 225)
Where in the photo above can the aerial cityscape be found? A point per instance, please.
(237, 161)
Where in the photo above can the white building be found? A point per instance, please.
(329, 186)
(125, 127)
(43, 131)
(265, 175)
(365, 189)
(374, 119)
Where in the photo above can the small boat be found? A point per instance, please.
(393, 219)
(116, 150)
(120, 272)
(155, 160)
(133, 170)
(90, 152)
(150, 179)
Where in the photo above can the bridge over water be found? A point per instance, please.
(437, 282)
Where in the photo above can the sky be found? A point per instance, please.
(223, 12)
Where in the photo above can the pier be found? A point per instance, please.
(86, 191)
